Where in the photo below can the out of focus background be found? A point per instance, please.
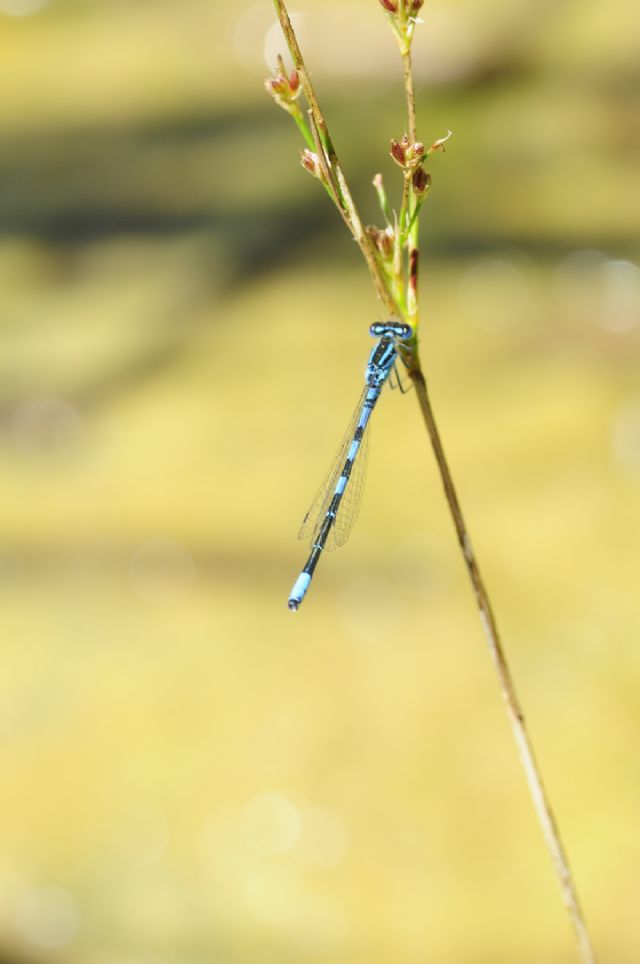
(188, 772)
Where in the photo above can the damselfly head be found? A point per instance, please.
(396, 328)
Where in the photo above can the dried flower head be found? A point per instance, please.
(405, 8)
(421, 181)
(398, 150)
(414, 154)
(284, 88)
(407, 155)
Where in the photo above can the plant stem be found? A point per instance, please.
(328, 177)
(505, 678)
(413, 242)
(515, 713)
(403, 218)
(360, 235)
(411, 97)
(296, 113)
(413, 316)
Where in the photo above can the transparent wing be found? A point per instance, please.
(352, 495)
(350, 502)
(395, 380)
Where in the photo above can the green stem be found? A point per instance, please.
(419, 201)
(378, 184)
(328, 177)
(298, 117)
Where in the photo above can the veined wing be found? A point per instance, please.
(350, 502)
(352, 496)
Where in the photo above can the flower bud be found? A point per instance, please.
(310, 162)
(421, 181)
(283, 89)
(397, 152)
(414, 154)
(390, 5)
(406, 154)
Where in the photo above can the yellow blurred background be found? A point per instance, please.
(189, 773)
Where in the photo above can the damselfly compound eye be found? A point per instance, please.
(396, 328)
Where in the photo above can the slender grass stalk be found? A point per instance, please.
(393, 261)
(413, 229)
(360, 235)
(411, 97)
(514, 707)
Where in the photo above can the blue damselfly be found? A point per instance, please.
(335, 508)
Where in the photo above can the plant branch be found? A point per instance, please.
(296, 113)
(328, 177)
(403, 219)
(360, 235)
(413, 242)
(411, 97)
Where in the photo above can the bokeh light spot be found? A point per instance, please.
(249, 36)
(451, 47)
(21, 8)
(620, 310)
(625, 437)
(591, 288)
(270, 825)
(274, 895)
(275, 44)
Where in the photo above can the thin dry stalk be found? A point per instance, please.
(515, 713)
